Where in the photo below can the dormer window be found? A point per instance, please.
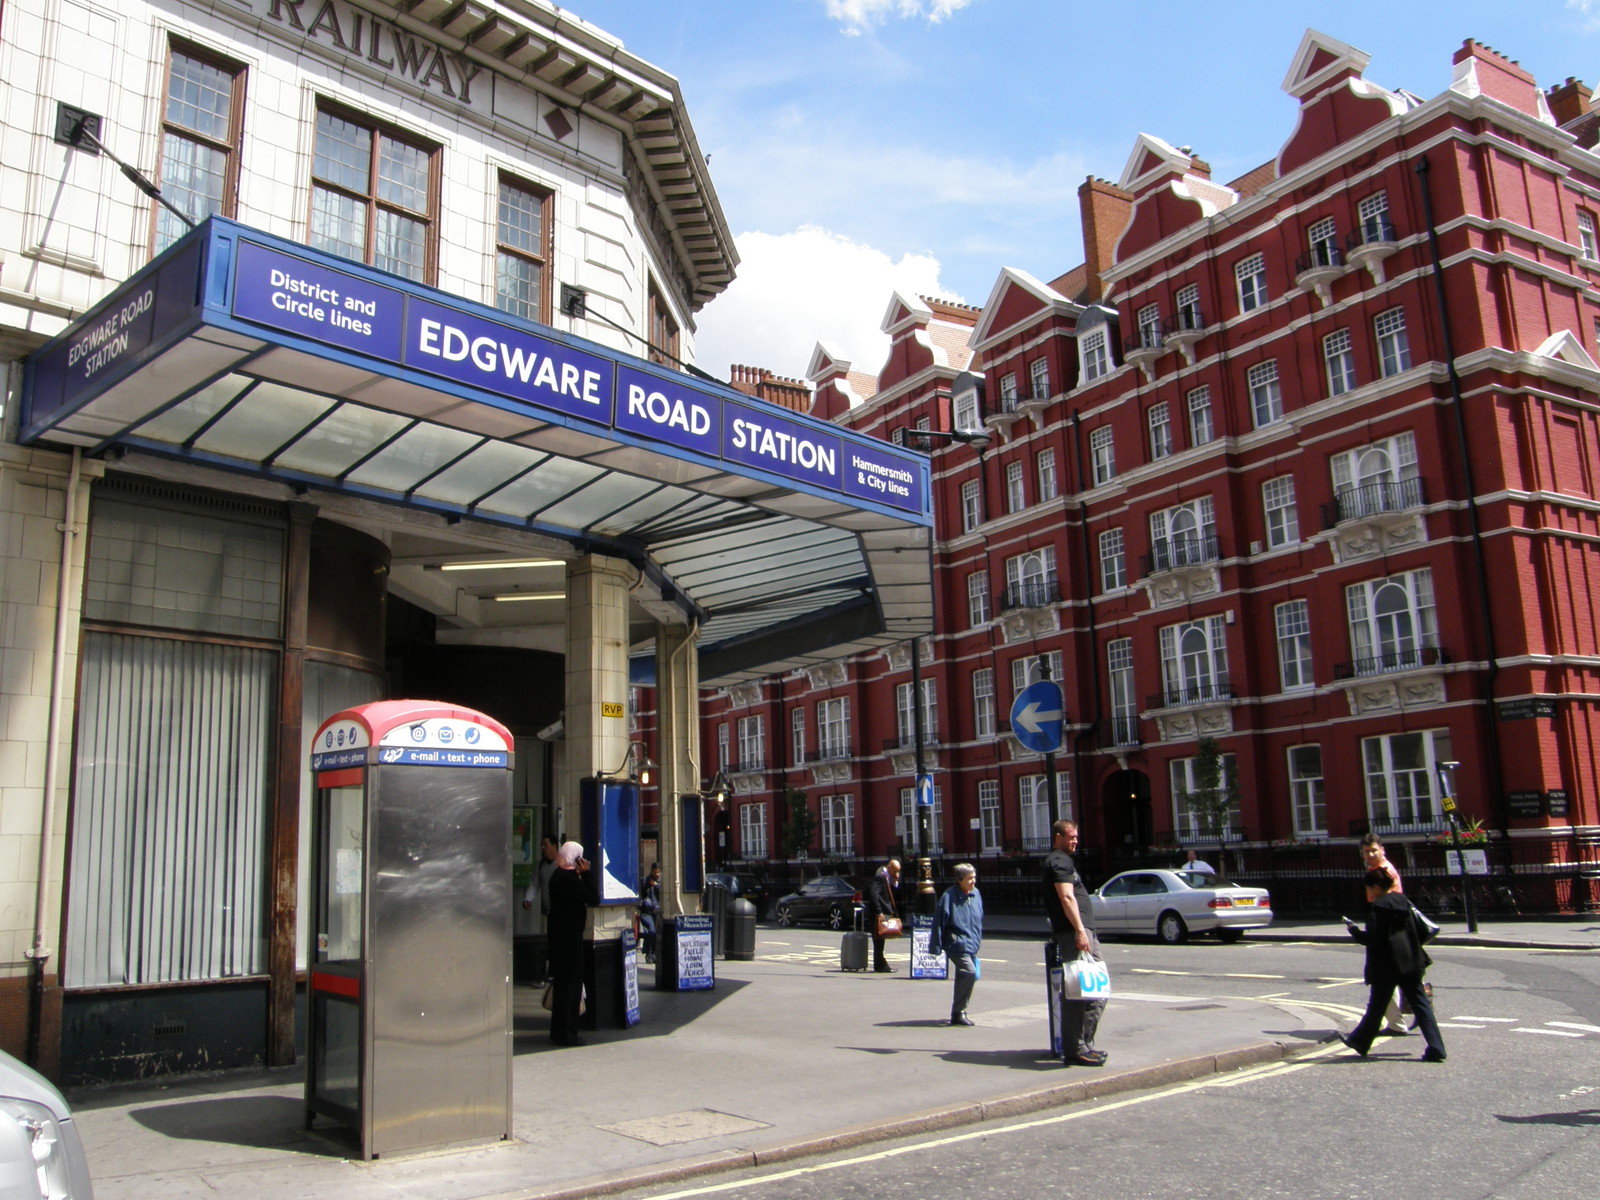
(1096, 359)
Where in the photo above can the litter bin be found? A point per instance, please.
(714, 900)
(741, 925)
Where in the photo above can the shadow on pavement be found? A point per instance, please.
(1583, 1119)
(661, 1014)
(259, 1122)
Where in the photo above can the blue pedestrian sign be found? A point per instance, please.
(924, 791)
(1037, 716)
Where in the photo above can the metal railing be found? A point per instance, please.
(907, 741)
(1410, 658)
(747, 766)
(1185, 694)
(1321, 256)
(1120, 731)
(1370, 499)
(1172, 553)
(1373, 231)
(1034, 593)
(1185, 320)
(829, 752)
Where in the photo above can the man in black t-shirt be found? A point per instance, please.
(1072, 924)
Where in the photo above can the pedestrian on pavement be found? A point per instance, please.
(1072, 923)
(1395, 958)
(571, 894)
(538, 891)
(958, 933)
(650, 911)
(1374, 858)
(1195, 865)
(882, 905)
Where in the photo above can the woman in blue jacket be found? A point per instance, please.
(958, 932)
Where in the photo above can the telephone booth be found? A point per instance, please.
(409, 995)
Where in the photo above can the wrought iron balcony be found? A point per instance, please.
(1185, 327)
(829, 752)
(1122, 730)
(1316, 271)
(906, 743)
(1374, 499)
(1032, 593)
(1171, 554)
(1150, 345)
(1187, 695)
(1411, 658)
(1369, 244)
(1415, 825)
(749, 766)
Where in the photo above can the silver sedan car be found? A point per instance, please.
(40, 1153)
(1173, 904)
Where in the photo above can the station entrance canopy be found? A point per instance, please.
(789, 539)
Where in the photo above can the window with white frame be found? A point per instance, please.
(1194, 661)
(1394, 349)
(1283, 520)
(1251, 275)
(983, 702)
(833, 727)
(1186, 307)
(1124, 705)
(989, 816)
(1047, 475)
(1039, 378)
(1586, 235)
(898, 435)
(1266, 398)
(1381, 476)
(1031, 579)
(905, 717)
(1307, 790)
(1113, 561)
(924, 424)
(753, 831)
(1103, 455)
(1393, 625)
(1030, 669)
(1293, 622)
(1183, 535)
(1201, 429)
(1322, 239)
(1160, 431)
(1402, 772)
(906, 822)
(1340, 361)
(797, 734)
(1033, 808)
(971, 505)
(966, 409)
(978, 598)
(1094, 354)
(1188, 823)
(1008, 391)
(1373, 212)
(752, 743)
(838, 826)
(1149, 322)
(1016, 501)
(723, 759)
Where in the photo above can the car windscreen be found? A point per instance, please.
(1198, 879)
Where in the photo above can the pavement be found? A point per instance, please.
(787, 1057)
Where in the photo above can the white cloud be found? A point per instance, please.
(858, 16)
(794, 290)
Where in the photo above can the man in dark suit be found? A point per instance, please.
(881, 902)
(1395, 958)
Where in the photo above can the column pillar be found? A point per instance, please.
(678, 755)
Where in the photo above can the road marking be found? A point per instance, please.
(1574, 1025)
(1327, 1009)
(1153, 971)
(1547, 1032)
(1244, 975)
(1333, 983)
(1489, 1020)
(1459, 1025)
(1244, 1075)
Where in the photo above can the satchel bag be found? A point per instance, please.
(1427, 928)
(548, 1000)
(890, 927)
(1086, 978)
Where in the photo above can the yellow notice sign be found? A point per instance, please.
(613, 710)
(1446, 803)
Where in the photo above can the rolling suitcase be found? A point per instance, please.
(853, 952)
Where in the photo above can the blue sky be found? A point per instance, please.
(863, 145)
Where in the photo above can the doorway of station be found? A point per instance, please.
(1129, 823)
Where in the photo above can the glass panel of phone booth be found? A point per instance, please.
(336, 956)
(343, 877)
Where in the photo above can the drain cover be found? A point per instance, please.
(693, 1125)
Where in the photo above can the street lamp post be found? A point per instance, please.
(1447, 771)
(924, 812)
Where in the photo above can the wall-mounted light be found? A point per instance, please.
(717, 790)
(636, 765)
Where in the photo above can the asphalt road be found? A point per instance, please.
(1514, 1114)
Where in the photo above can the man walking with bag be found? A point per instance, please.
(1072, 924)
(883, 911)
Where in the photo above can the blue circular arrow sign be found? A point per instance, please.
(1037, 716)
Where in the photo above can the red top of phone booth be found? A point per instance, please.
(421, 731)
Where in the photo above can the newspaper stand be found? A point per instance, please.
(409, 992)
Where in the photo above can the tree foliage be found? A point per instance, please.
(800, 823)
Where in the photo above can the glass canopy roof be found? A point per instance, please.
(790, 540)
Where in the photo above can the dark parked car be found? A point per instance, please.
(740, 884)
(832, 899)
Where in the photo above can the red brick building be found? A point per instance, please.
(1304, 463)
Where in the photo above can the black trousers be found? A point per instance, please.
(564, 999)
(1080, 1019)
(1378, 1003)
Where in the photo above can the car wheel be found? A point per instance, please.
(785, 917)
(1171, 929)
(836, 917)
(1230, 935)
